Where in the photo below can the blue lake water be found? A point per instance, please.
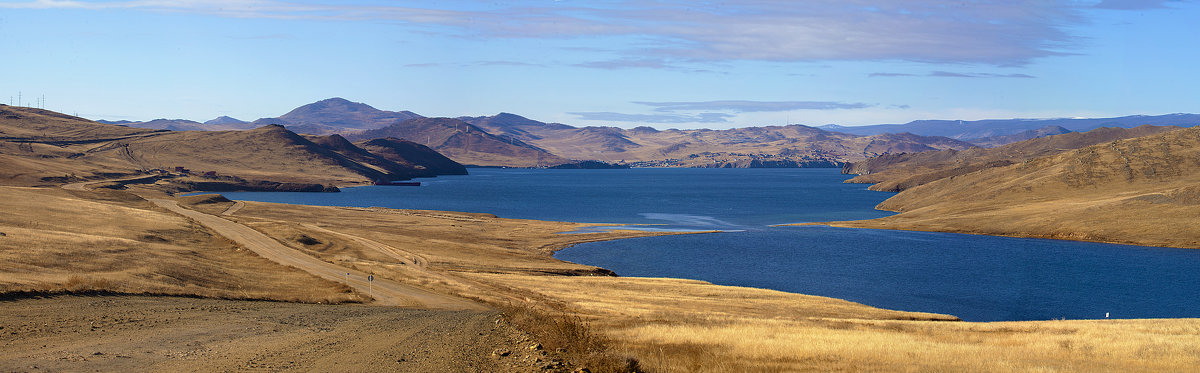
(977, 278)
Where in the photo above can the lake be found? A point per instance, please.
(977, 278)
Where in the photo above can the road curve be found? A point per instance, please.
(82, 186)
(386, 292)
(237, 205)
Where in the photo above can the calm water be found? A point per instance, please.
(977, 278)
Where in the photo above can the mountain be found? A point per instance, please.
(970, 130)
(464, 143)
(225, 120)
(39, 147)
(507, 139)
(512, 125)
(772, 146)
(169, 124)
(399, 161)
(1143, 190)
(900, 171)
(114, 121)
(994, 141)
(218, 124)
(338, 115)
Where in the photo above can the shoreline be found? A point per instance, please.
(855, 224)
(672, 324)
(550, 250)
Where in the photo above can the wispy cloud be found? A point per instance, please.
(997, 32)
(950, 74)
(477, 63)
(628, 63)
(507, 63)
(1133, 4)
(741, 106)
(654, 118)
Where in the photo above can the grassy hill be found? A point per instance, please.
(900, 171)
(778, 146)
(39, 147)
(465, 143)
(1142, 190)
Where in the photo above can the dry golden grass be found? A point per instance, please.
(1137, 191)
(872, 345)
(111, 240)
(673, 325)
(115, 241)
(897, 172)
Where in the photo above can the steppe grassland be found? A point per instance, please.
(666, 324)
(871, 345)
(684, 325)
(673, 325)
(115, 241)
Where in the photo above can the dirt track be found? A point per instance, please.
(385, 292)
(137, 333)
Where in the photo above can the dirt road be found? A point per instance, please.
(237, 205)
(82, 186)
(137, 333)
(385, 292)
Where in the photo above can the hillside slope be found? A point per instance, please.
(1143, 191)
(770, 146)
(897, 172)
(978, 129)
(413, 155)
(45, 148)
(465, 143)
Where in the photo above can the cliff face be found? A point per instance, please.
(1139, 191)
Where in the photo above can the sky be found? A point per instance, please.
(664, 64)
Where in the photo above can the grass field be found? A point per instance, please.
(57, 240)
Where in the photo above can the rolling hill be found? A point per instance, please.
(979, 130)
(897, 172)
(771, 146)
(337, 116)
(465, 143)
(508, 139)
(1141, 190)
(39, 147)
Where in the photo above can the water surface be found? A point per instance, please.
(977, 278)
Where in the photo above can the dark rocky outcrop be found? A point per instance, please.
(590, 165)
(254, 186)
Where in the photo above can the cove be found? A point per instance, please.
(977, 278)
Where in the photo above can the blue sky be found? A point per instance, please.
(680, 64)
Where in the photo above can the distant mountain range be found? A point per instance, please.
(508, 139)
(972, 131)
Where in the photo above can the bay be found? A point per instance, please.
(977, 278)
